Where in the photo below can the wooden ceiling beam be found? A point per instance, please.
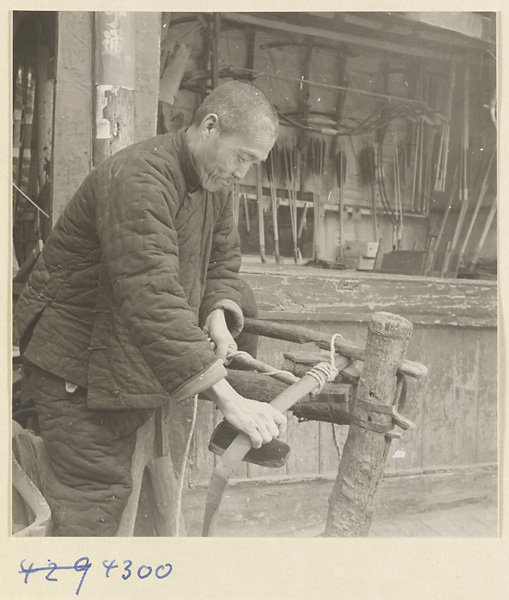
(343, 37)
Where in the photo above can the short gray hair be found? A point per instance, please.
(239, 106)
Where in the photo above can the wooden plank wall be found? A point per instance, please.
(455, 408)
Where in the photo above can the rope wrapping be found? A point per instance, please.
(326, 372)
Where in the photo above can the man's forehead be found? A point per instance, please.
(254, 141)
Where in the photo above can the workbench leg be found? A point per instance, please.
(355, 493)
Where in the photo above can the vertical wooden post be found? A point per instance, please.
(74, 90)
(115, 76)
(148, 39)
(354, 496)
(72, 125)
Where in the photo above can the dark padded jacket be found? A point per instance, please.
(137, 260)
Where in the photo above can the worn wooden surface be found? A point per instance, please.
(308, 294)
(72, 143)
(146, 93)
(354, 496)
(74, 89)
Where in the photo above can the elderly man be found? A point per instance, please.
(140, 270)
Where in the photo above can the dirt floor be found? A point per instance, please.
(439, 505)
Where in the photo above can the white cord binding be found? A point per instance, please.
(325, 372)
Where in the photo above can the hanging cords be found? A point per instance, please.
(382, 188)
(379, 119)
(180, 490)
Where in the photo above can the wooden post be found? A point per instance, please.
(72, 123)
(115, 76)
(354, 496)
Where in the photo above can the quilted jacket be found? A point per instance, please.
(137, 260)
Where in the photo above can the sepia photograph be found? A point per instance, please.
(254, 275)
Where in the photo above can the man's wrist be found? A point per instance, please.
(222, 394)
(216, 310)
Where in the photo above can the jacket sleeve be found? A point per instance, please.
(140, 250)
(223, 285)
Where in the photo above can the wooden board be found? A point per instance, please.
(449, 419)
(303, 438)
(467, 362)
(487, 438)
(328, 459)
(292, 293)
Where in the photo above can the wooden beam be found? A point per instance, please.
(302, 335)
(264, 389)
(342, 37)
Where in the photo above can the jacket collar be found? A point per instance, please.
(187, 163)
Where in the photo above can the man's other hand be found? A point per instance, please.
(216, 328)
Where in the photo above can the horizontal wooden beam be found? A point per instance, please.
(337, 36)
(265, 389)
(306, 294)
(303, 335)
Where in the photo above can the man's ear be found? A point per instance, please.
(209, 123)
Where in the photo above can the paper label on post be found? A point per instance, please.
(102, 125)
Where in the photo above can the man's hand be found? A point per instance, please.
(258, 420)
(216, 328)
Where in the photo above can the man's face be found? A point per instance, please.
(221, 158)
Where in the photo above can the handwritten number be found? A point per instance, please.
(82, 567)
(82, 564)
(170, 568)
(53, 566)
(149, 570)
(108, 568)
(26, 571)
(128, 569)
